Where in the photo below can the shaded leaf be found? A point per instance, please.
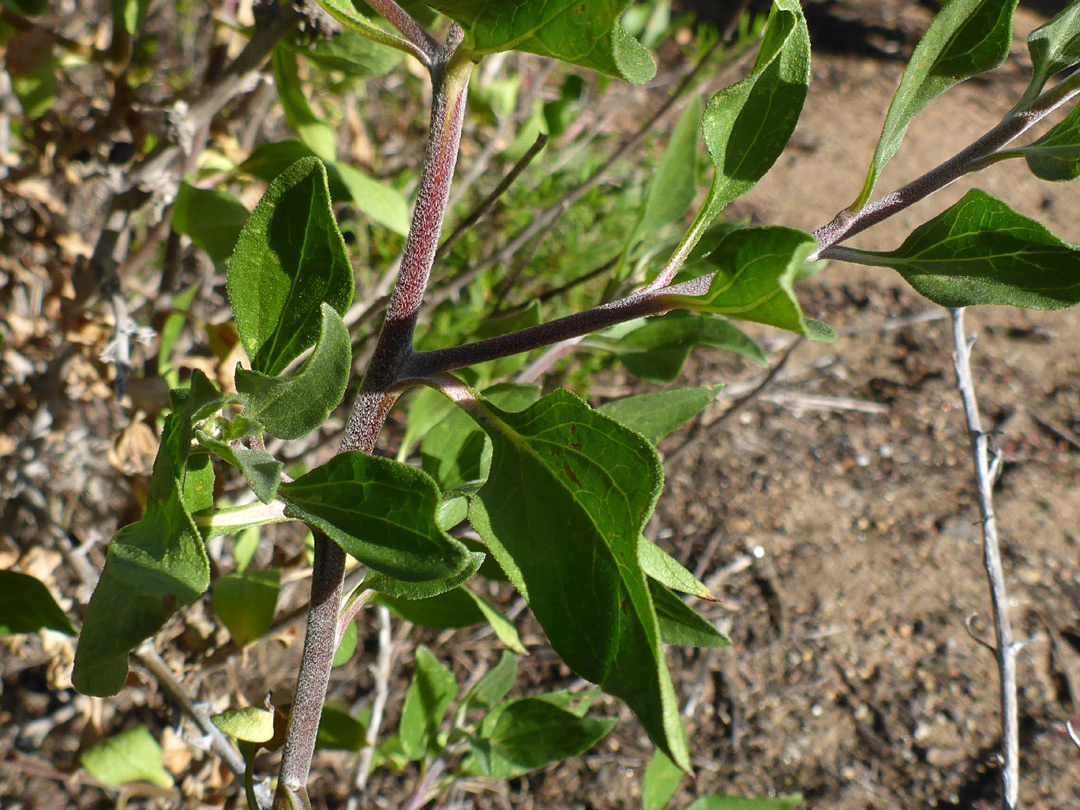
(569, 492)
(211, 218)
(289, 260)
(262, 470)
(581, 32)
(349, 53)
(494, 685)
(291, 407)
(531, 733)
(347, 646)
(656, 414)
(681, 624)
(26, 606)
(130, 756)
(299, 115)
(968, 37)
(459, 607)
(980, 251)
(339, 730)
(658, 348)
(245, 603)
(398, 588)
(381, 512)
(429, 696)
(756, 272)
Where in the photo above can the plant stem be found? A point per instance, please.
(1005, 649)
(975, 157)
(409, 28)
(450, 77)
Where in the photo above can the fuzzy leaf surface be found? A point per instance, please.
(380, 511)
(968, 37)
(1054, 46)
(581, 32)
(289, 260)
(980, 251)
(291, 407)
(1056, 155)
(668, 571)
(562, 509)
(262, 470)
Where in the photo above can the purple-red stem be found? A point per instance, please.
(450, 80)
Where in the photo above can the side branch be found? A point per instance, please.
(972, 159)
(1005, 649)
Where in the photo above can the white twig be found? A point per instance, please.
(1072, 734)
(383, 665)
(1005, 650)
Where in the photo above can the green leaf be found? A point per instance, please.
(299, 115)
(728, 802)
(170, 332)
(980, 251)
(748, 124)
(158, 564)
(456, 451)
(658, 348)
(347, 646)
(349, 53)
(581, 32)
(250, 724)
(130, 14)
(400, 589)
(1056, 155)
(429, 696)
(666, 570)
(532, 733)
(245, 603)
(339, 730)
(662, 777)
(36, 85)
(494, 685)
(459, 607)
(1054, 46)
(291, 407)
(28, 8)
(130, 756)
(381, 512)
(262, 470)
(756, 273)
(289, 260)
(968, 37)
(381, 203)
(26, 606)
(681, 624)
(211, 218)
(569, 492)
(244, 546)
(674, 184)
(656, 415)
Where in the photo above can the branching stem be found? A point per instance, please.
(1005, 649)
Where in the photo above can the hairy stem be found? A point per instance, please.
(450, 77)
(975, 157)
(1005, 648)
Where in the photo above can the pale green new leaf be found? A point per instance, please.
(429, 696)
(666, 570)
(581, 32)
(250, 724)
(980, 251)
(662, 777)
(130, 756)
(968, 37)
(562, 510)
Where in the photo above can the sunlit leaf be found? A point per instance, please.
(1054, 46)
(250, 724)
(299, 115)
(1056, 155)
(662, 777)
(728, 802)
(656, 414)
(429, 695)
(211, 218)
(130, 756)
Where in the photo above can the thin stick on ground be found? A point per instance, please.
(382, 669)
(1005, 648)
